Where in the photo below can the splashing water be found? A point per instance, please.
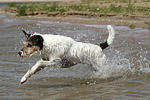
(125, 74)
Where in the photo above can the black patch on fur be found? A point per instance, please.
(36, 40)
(104, 45)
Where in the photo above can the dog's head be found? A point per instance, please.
(32, 45)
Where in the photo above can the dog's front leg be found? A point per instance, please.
(37, 67)
(31, 71)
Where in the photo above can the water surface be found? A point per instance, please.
(127, 70)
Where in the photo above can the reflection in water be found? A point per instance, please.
(125, 75)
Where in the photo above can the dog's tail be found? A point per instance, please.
(110, 37)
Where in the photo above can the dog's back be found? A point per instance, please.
(85, 52)
(56, 45)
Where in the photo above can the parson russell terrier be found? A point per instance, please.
(61, 51)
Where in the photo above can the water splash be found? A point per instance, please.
(123, 57)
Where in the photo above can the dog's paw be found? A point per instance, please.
(25, 77)
(23, 80)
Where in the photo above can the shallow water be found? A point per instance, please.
(127, 70)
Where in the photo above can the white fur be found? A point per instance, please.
(56, 48)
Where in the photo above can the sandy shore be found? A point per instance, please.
(138, 21)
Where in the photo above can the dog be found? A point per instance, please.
(56, 50)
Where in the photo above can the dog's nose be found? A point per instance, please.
(19, 53)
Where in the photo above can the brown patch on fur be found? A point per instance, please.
(26, 43)
(29, 50)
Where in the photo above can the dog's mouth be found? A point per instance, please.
(26, 55)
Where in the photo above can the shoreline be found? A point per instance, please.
(137, 21)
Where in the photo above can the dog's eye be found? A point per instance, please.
(29, 45)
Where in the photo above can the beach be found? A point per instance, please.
(86, 17)
(121, 21)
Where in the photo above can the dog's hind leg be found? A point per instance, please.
(37, 67)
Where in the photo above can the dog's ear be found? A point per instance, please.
(26, 34)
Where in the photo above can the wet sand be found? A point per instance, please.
(119, 20)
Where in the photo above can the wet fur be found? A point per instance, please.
(63, 51)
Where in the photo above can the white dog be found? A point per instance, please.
(63, 51)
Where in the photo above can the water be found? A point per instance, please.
(126, 73)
